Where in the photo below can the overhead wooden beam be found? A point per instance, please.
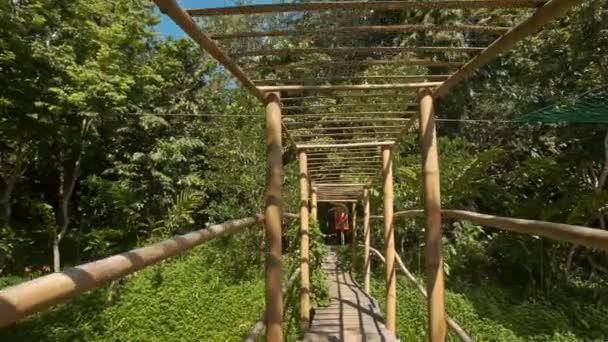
(325, 146)
(317, 175)
(542, 16)
(364, 119)
(410, 78)
(318, 185)
(348, 87)
(336, 200)
(341, 51)
(363, 29)
(370, 159)
(358, 5)
(370, 134)
(343, 164)
(339, 105)
(353, 115)
(338, 128)
(185, 22)
(347, 95)
(360, 63)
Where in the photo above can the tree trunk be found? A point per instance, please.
(67, 182)
(599, 182)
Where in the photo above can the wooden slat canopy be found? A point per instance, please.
(331, 107)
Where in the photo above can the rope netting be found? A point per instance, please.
(591, 107)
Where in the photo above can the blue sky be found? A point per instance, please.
(168, 28)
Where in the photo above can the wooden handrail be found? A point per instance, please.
(457, 329)
(259, 326)
(580, 235)
(24, 299)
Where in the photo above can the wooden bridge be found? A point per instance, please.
(352, 315)
(341, 154)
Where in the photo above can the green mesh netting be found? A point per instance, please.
(592, 107)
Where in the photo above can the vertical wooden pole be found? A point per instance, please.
(432, 212)
(304, 244)
(274, 298)
(313, 204)
(389, 239)
(367, 238)
(353, 239)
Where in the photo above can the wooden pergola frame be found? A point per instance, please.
(315, 180)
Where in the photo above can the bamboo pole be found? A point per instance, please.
(313, 205)
(367, 238)
(274, 299)
(389, 240)
(351, 115)
(580, 235)
(411, 78)
(353, 240)
(358, 5)
(36, 295)
(304, 244)
(370, 134)
(319, 185)
(325, 146)
(351, 64)
(303, 124)
(432, 211)
(341, 51)
(336, 200)
(363, 29)
(348, 87)
(337, 105)
(455, 327)
(185, 22)
(348, 95)
(342, 128)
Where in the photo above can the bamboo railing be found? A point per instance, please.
(33, 296)
(452, 325)
(580, 235)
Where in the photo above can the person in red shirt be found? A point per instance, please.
(340, 222)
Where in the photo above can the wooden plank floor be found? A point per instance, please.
(352, 314)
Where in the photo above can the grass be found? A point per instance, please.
(203, 295)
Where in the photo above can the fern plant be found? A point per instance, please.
(179, 215)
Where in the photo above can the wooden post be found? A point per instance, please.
(353, 239)
(432, 212)
(367, 239)
(389, 239)
(313, 205)
(304, 244)
(274, 180)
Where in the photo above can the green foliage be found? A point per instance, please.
(202, 295)
(494, 313)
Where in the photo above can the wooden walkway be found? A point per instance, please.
(352, 314)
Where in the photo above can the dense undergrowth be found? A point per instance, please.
(202, 295)
(491, 312)
(209, 294)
